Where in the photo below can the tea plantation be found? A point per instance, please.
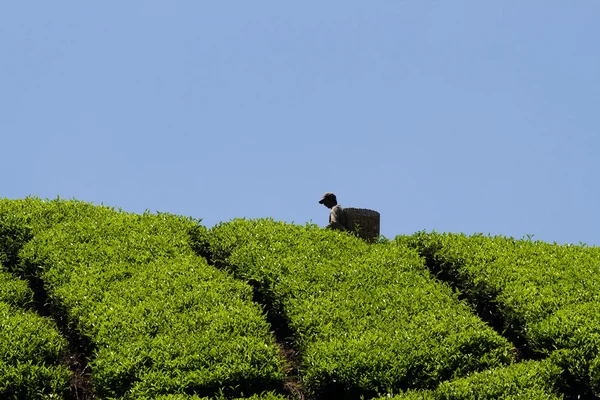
(97, 303)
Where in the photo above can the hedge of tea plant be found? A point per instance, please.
(22, 219)
(14, 291)
(158, 318)
(30, 346)
(366, 319)
(526, 380)
(548, 295)
(257, 396)
(575, 332)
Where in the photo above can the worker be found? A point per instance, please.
(337, 218)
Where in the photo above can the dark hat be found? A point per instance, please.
(326, 196)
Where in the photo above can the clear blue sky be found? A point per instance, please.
(454, 116)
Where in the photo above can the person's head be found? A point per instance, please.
(328, 200)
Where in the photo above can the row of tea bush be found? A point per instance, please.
(546, 296)
(366, 319)
(158, 319)
(169, 309)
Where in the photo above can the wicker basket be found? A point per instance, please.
(365, 223)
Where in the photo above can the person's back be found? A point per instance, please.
(337, 217)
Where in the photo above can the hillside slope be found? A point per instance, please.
(158, 306)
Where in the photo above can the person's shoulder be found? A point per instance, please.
(337, 208)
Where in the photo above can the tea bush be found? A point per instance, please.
(366, 319)
(527, 380)
(13, 291)
(158, 318)
(575, 331)
(22, 219)
(546, 294)
(30, 347)
(259, 396)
